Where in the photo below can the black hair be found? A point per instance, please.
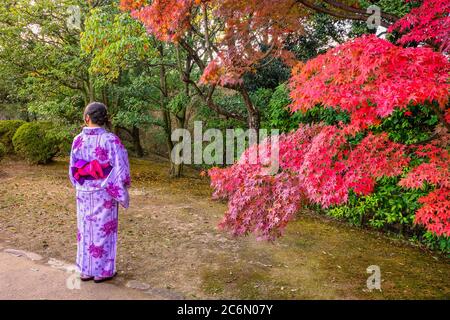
(97, 112)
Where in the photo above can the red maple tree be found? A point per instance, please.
(367, 77)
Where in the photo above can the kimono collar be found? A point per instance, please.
(93, 131)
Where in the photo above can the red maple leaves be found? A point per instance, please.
(370, 77)
(435, 210)
(317, 165)
(429, 23)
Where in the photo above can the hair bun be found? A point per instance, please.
(97, 112)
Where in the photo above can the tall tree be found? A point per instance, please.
(36, 38)
(41, 40)
(138, 74)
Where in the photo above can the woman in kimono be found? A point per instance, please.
(100, 172)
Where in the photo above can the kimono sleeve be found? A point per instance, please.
(76, 142)
(118, 181)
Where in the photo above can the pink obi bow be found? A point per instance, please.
(94, 170)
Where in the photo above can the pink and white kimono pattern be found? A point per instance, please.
(98, 198)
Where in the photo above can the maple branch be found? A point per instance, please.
(343, 6)
(434, 136)
(253, 112)
(207, 98)
(207, 36)
(337, 14)
(265, 64)
(193, 54)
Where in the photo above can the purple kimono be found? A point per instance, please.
(100, 171)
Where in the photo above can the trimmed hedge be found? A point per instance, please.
(33, 142)
(7, 130)
(63, 136)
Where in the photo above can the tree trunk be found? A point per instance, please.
(175, 170)
(137, 142)
(88, 91)
(91, 91)
(254, 118)
(105, 99)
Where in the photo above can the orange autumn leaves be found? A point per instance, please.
(247, 28)
(166, 19)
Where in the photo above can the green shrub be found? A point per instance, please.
(390, 208)
(63, 136)
(437, 243)
(417, 127)
(33, 142)
(3, 151)
(278, 116)
(7, 130)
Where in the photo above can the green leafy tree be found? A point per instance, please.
(138, 76)
(40, 48)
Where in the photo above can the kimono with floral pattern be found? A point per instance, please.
(98, 199)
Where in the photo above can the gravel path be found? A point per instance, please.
(22, 278)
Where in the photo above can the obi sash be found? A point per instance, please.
(94, 170)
